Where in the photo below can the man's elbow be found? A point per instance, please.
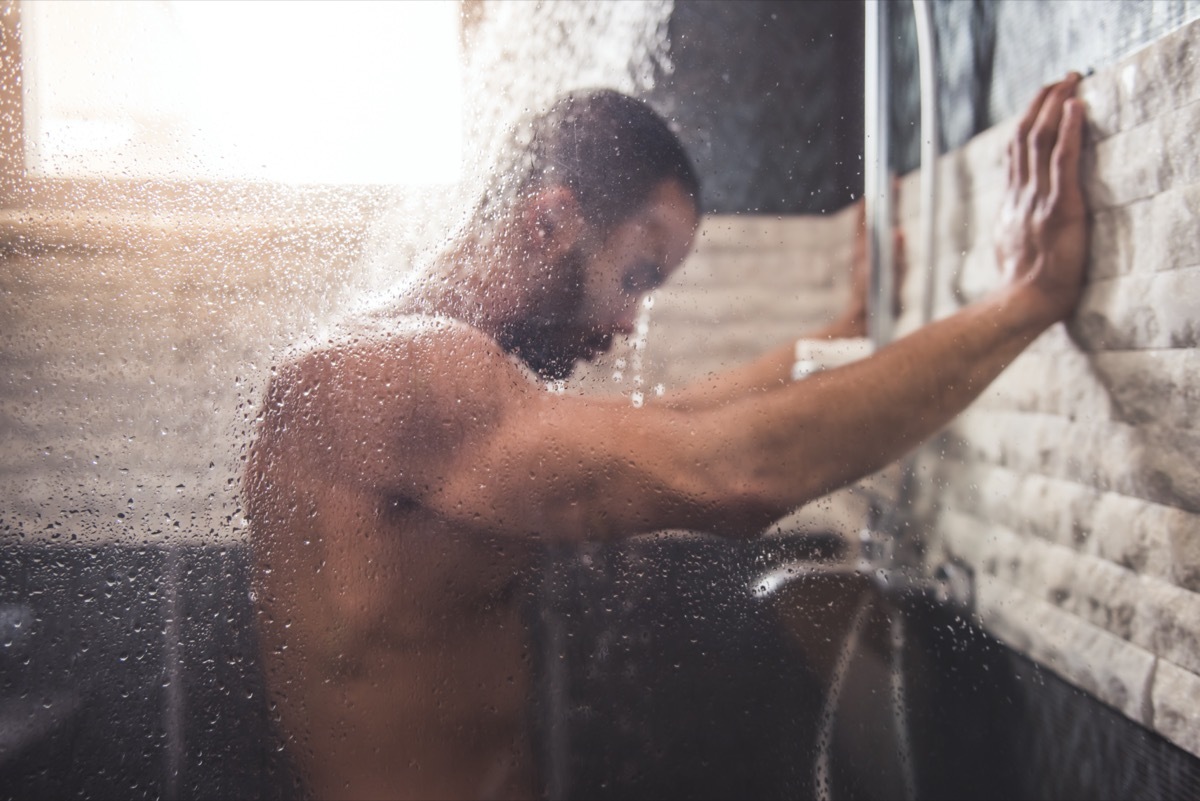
(743, 506)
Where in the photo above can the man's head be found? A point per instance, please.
(605, 200)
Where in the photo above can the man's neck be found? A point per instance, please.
(472, 281)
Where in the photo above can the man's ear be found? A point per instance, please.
(553, 221)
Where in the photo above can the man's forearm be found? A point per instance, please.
(838, 426)
(770, 371)
(848, 422)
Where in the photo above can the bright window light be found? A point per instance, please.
(300, 92)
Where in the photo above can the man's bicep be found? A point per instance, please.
(567, 468)
(450, 423)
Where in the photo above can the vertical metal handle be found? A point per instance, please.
(930, 136)
(877, 184)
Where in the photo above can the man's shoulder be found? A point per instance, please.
(420, 357)
(398, 339)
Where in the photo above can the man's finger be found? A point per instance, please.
(1044, 134)
(1018, 159)
(1064, 173)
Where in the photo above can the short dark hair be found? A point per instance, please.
(611, 150)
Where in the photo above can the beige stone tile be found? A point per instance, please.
(1144, 161)
(955, 229)
(1176, 703)
(1150, 462)
(1151, 539)
(1168, 622)
(685, 360)
(1183, 548)
(1111, 669)
(1081, 486)
(1054, 510)
(1111, 248)
(800, 268)
(1152, 386)
(1150, 235)
(1158, 78)
(733, 232)
(1066, 384)
(1095, 590)
(956, 189)
(96, 231)
(739, 232)
(926, 490)
(985, 208)
(977, 274)
(1127, 167)
(1102, 96)
(985, 154)
(1177, 130)
(153, 505)
(1140, 311)
(967, 538)
(689, 313)
(908, 199)
(949, 265)
(820, 231)
(1055, 340)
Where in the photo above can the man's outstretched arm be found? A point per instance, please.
(447, 422)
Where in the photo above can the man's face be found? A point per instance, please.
(596, 289)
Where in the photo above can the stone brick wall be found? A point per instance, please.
(1073, 485)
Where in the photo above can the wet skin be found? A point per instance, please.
(393, 639)
(392, 631)
(405, 473)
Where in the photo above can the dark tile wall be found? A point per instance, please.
(131, 673)
(675, 681)
(767, 96)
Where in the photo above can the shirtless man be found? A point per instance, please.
(405, 472)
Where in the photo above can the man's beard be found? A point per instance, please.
(549, 339)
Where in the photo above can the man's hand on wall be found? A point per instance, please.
(860, 266)
(1041, 233)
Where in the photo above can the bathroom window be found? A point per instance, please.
(296, 93)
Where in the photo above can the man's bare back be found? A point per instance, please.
(406, 473)
(394, 637)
